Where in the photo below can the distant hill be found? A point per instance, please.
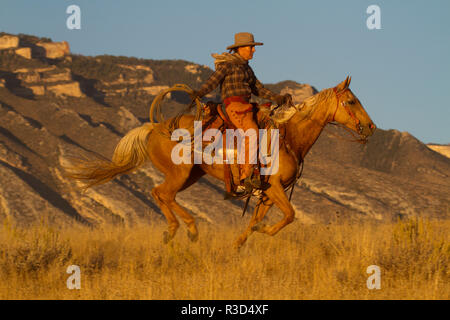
(442, 149)
(54, 104)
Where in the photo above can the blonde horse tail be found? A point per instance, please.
(129, 154)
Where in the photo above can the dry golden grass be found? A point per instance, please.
(302, 262)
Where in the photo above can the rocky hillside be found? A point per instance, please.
(54, 104)
(442, 149)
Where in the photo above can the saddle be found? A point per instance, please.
(216, 117)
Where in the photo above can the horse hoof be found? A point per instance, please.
(193, 236)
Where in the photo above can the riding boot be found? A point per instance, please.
(252, 182)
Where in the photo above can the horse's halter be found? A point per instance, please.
(347, 108)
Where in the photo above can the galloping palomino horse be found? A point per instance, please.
(145, 143)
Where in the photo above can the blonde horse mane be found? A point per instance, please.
(284, 113)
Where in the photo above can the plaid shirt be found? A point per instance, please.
(235, 80)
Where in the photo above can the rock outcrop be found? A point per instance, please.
(299, 92)
(9, 42)
(40, 49)
(442, 149)
(53, 50)
(50, 74)
(39, 81)
(192, 68)
(24, 52)
(65, 89)
(136, 79)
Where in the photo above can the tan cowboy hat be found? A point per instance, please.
(243, 39)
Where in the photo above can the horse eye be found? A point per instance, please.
(351, 102)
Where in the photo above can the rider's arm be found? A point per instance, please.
(214, 80)
(259, 90)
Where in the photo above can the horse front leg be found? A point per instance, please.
(276, 194)
(258, 214)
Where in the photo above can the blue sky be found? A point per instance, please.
(400, 73)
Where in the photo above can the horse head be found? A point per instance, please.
(350, 113)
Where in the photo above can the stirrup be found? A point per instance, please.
(240, 191)
(257, 193)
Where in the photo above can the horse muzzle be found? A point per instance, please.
(366, 131)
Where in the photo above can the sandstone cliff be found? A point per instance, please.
(442, 149)
(8, 41)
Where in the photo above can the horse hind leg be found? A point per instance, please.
(170, 217)
(187, 218)
(164, 195)
(195, 174)
(168, 205)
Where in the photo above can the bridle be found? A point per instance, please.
(347, 108)
(359, 129)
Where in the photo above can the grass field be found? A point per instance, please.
(301, 262)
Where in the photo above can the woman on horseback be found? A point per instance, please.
(238, 82)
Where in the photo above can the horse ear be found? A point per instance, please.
(349, 80)
(343, 85)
